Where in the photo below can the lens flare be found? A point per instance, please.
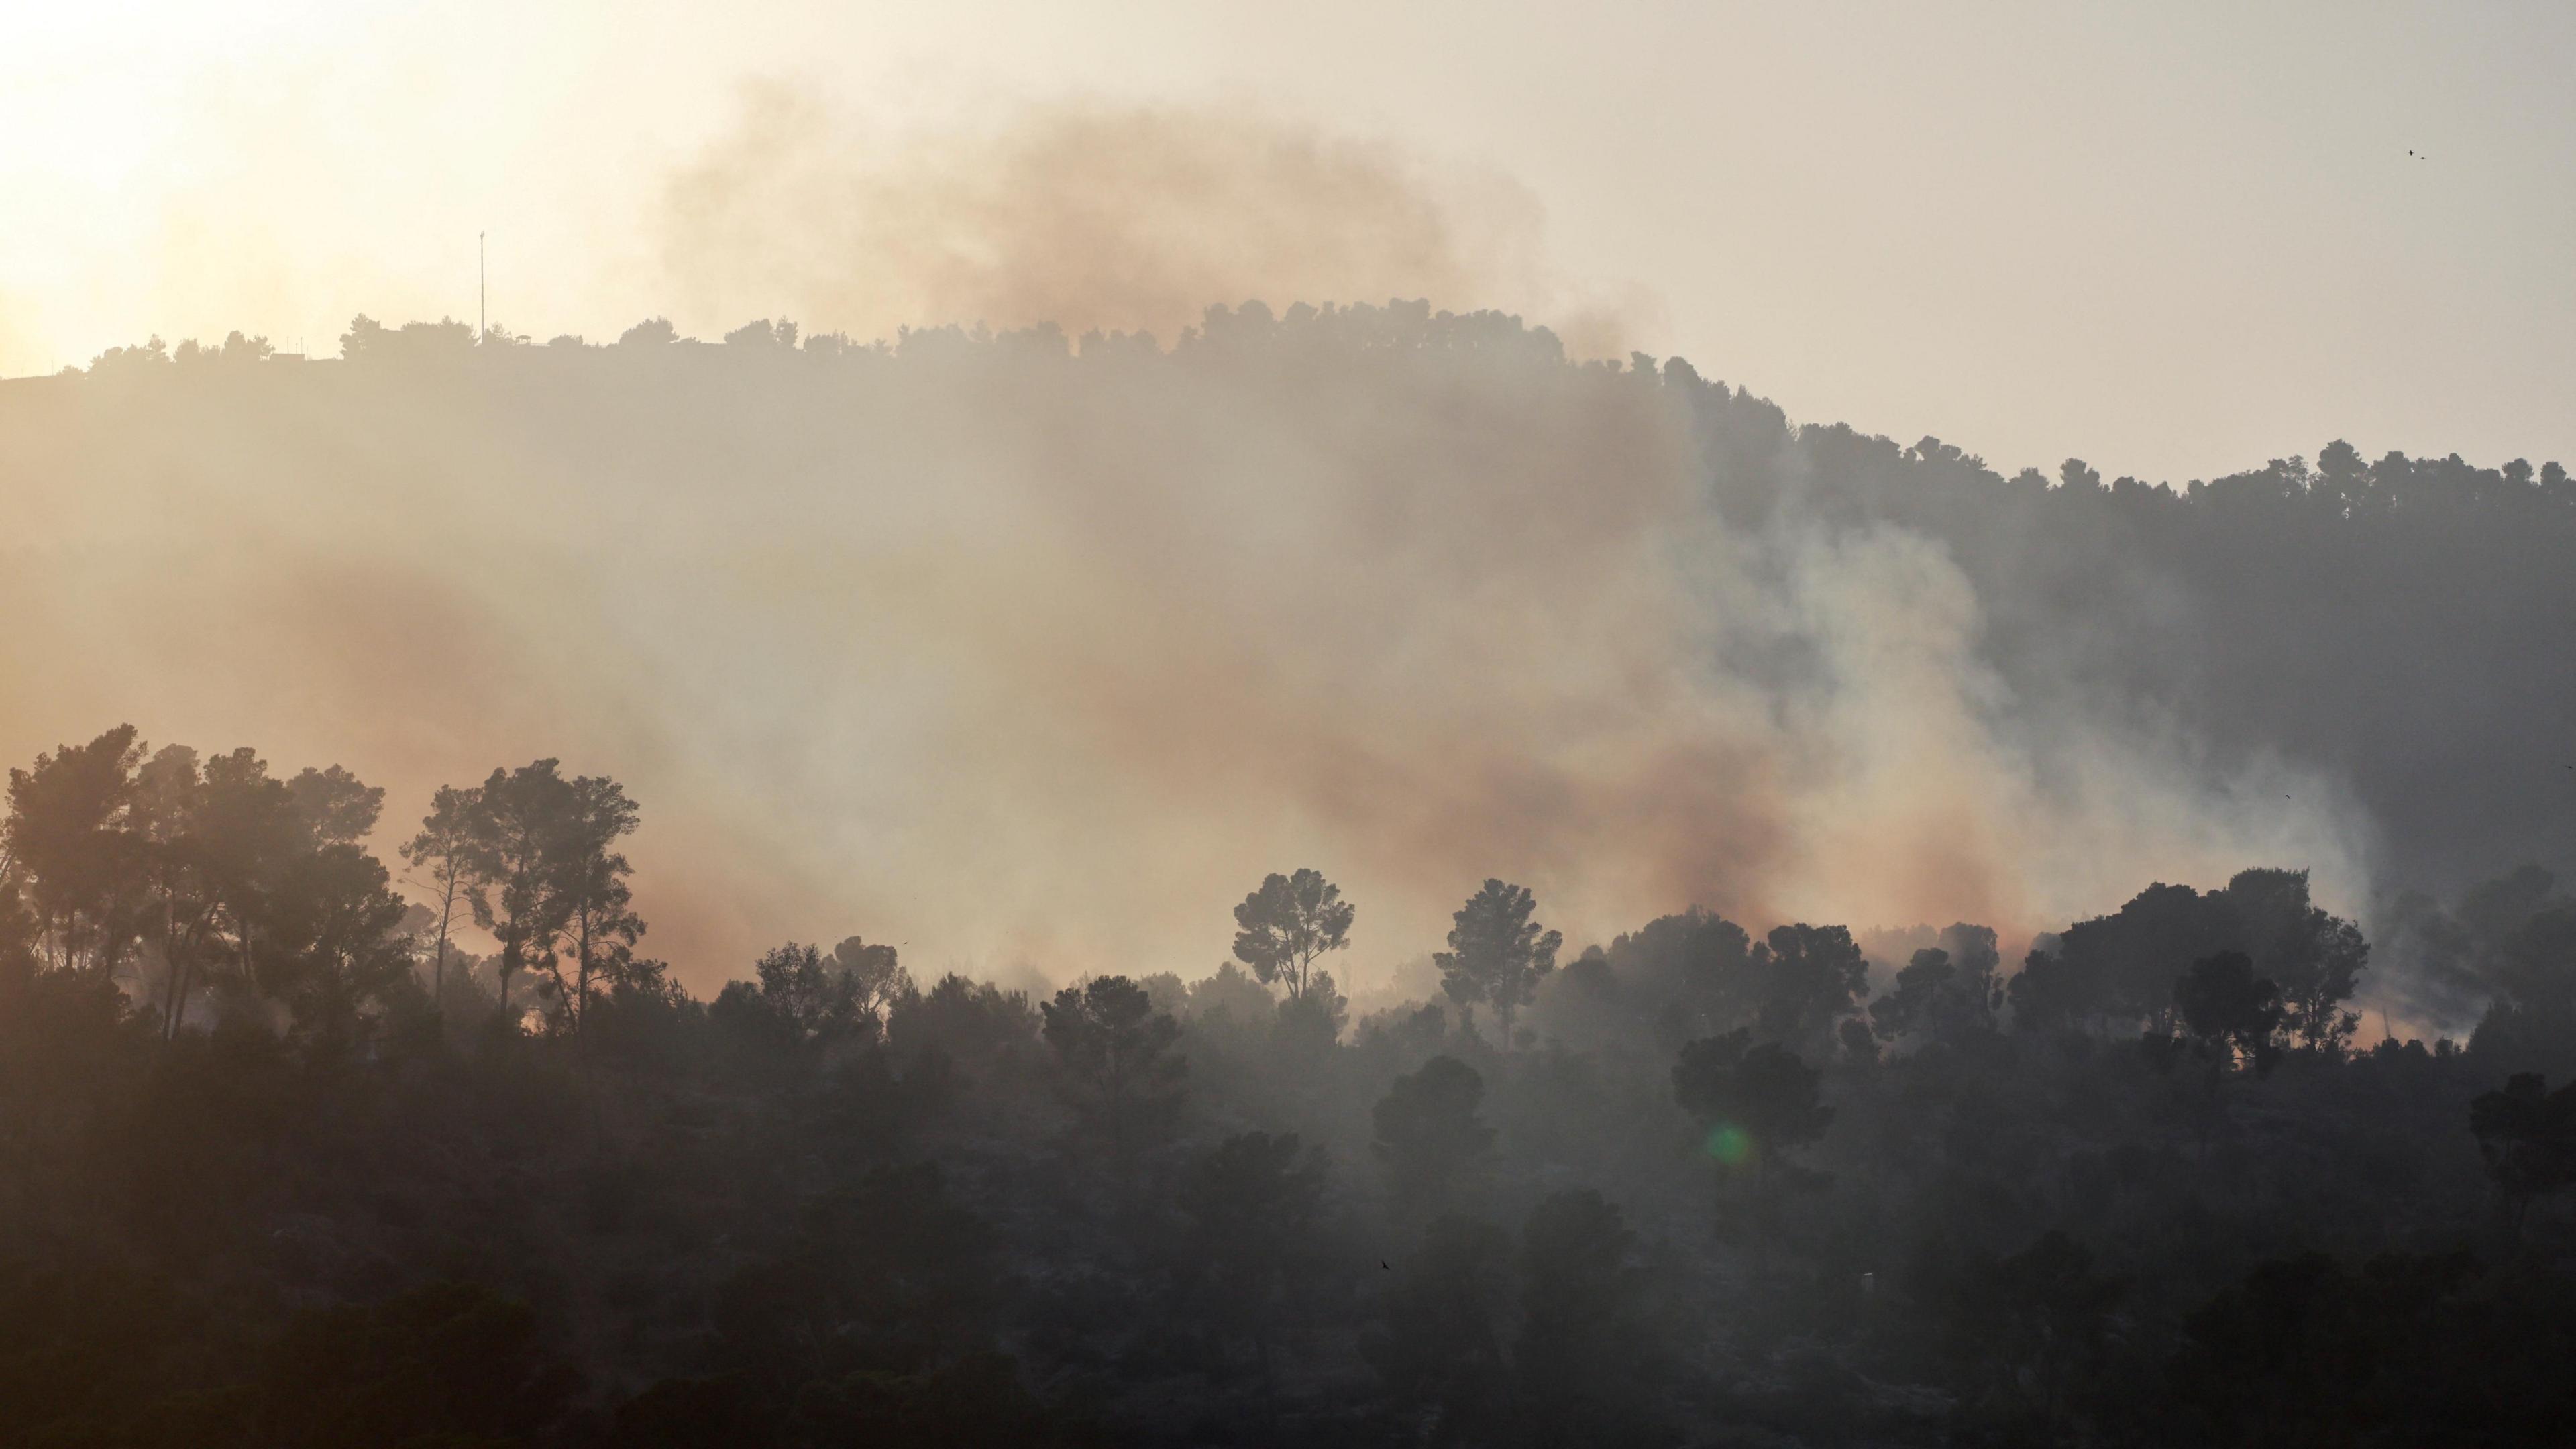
(1731, 1145)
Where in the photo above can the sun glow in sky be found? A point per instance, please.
(2173, 239)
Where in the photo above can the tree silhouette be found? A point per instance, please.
(210, 875)
(1755, 1102)
(1429, 1138)
(370, 341)
(1231, 991)
(1311, 1024)
(885, 1271)
(876, 976)
(1811, 977)
(18, 960)
(1941, 995)
(761, 333)
(442, 848)
(1699, 964)
(1585, 1345)
(68, 846)
(1914, 1001)
(592, 900)
(248, 834)
(2233, 1014)
(234, 351)
(2050, 992)
(2122, 966)
(1283, 926)
(1441, 1350)
(332, 939)
(1118, 1053)
(798, 998)
(515, 856)
(538, 865)
(2316, 959)
(965, 1020)
(337, 809)
(168, 796)
(1253, 1204)
(1496, 954)
(2527, 1134)
(2030, 1329)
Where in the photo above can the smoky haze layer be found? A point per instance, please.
(1084, 215)
(1033, 658)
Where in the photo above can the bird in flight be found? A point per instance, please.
(2418, 155)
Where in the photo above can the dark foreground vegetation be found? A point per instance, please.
(282, 1164)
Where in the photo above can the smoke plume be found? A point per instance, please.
(1089, 217)
(1035, 658)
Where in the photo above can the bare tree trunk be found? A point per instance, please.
(438, 968)
(581, 974)
(180, 1017)
(108, 954)
(175, 1000)
(169, 963)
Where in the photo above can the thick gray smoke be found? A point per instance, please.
(1037, 661)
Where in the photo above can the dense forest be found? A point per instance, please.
(332, 1117)
(289, 1164)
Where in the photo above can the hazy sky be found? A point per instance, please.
(2173, 238)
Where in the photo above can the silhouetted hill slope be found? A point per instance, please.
(2399, 626)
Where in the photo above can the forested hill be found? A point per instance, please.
(398, 1105)
(2401, 622)
(2397, 629)
(2395, 621)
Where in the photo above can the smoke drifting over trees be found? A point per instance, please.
(288, 1166)
(1576, 759)
(909, 631)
